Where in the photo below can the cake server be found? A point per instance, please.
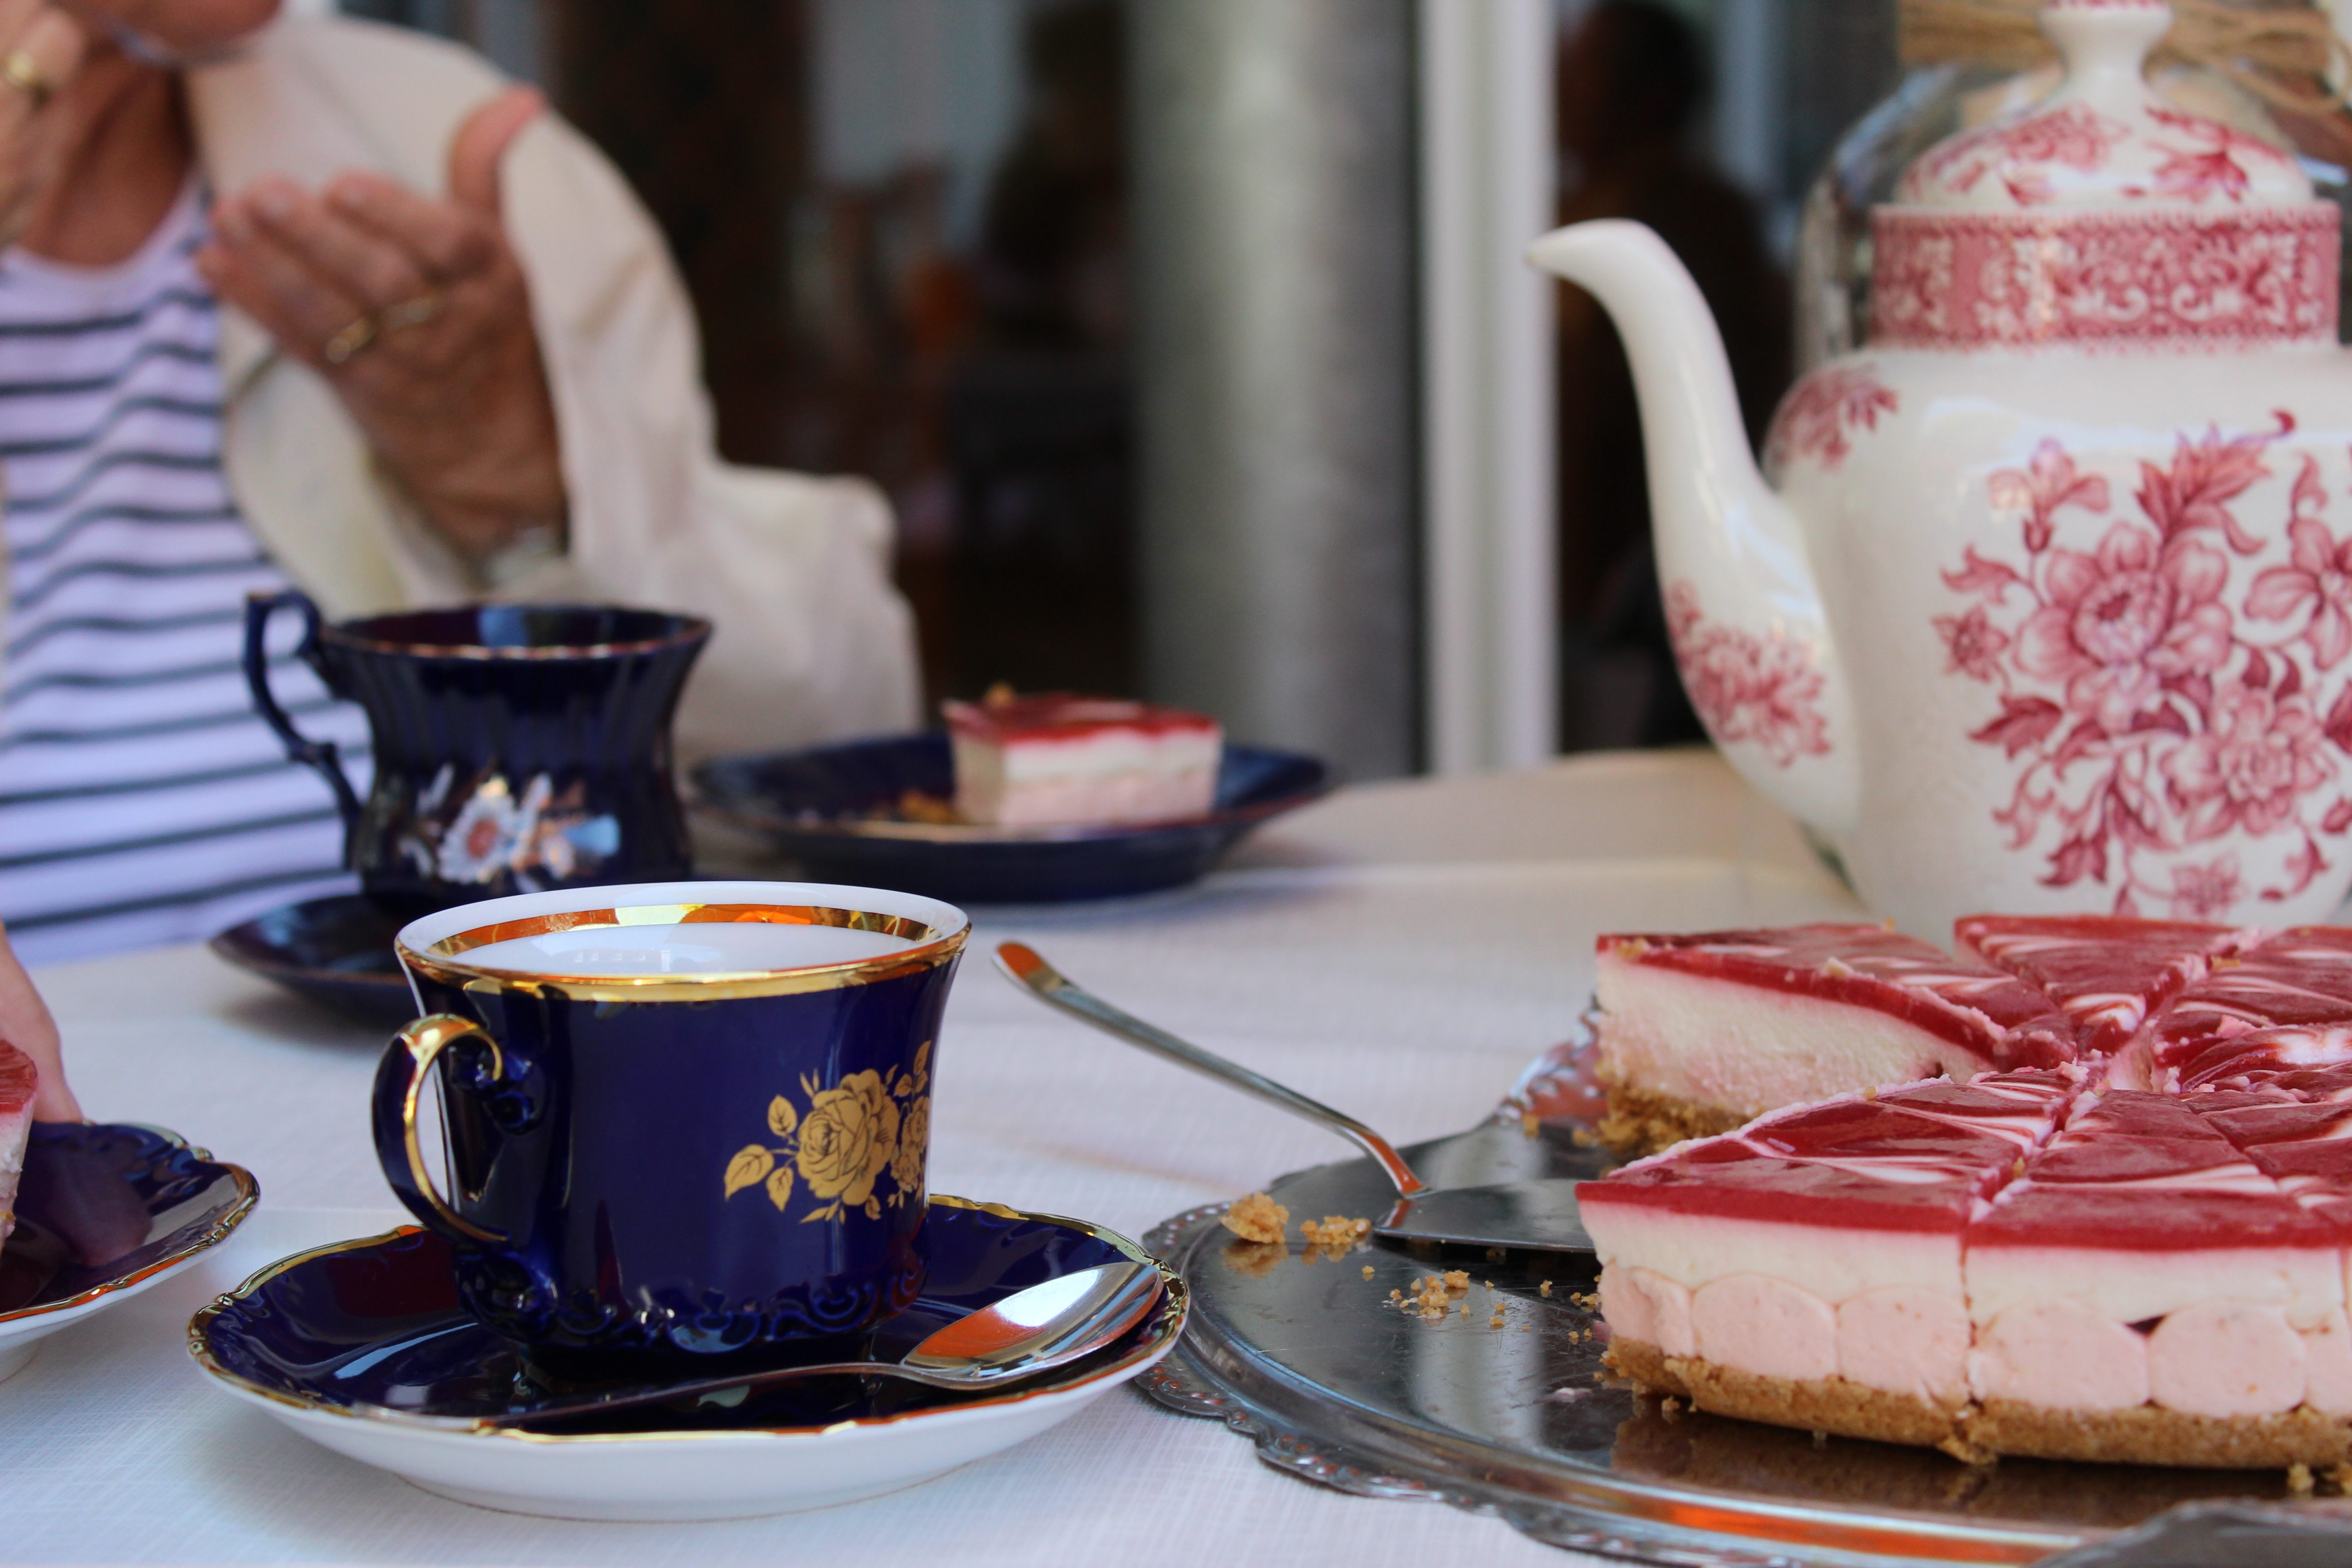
(1540, 1215)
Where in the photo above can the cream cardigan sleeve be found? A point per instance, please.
(811, 642)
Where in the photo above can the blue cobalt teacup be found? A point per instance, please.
(680, 1117)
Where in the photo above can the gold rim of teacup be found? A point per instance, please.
(690, 629)
(443, 961)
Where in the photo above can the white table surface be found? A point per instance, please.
(1400, 951)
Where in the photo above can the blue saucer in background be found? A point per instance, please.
(335, 951)
(826, 810)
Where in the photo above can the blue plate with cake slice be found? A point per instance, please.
(105, 1211)
(887, 812)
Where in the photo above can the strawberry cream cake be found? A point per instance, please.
(18, 1081)
(1059, 761)
(2133, 1249)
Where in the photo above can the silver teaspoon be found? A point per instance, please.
(1025, 1335)
(1540, 1215)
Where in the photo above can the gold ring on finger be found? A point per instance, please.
(28, 75)
(343, 346)
(414, 312)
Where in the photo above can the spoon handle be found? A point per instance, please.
(599, 1403)
(1023, 966)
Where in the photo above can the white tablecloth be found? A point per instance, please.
(1400, 951)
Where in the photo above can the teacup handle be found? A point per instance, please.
(319, 754)
(398, 1083)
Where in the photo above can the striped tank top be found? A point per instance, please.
(142, 799)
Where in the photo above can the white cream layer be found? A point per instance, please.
(1112, 776)
(1692, 1250)
(1748, 1049)
(15, 1130)
(2307, 1283)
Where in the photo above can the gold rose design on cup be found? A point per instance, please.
(851, 1134)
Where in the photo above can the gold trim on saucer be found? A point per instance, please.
(441, 961)
(1174, 1308)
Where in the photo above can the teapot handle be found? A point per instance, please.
(319, 754)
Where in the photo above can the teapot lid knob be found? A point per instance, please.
(2105, 45)
(2104, 138)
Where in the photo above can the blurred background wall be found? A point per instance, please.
(1128, 304)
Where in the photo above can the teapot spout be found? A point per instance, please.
(1742, 602)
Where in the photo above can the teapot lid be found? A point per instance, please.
(2102, 138)
(2103, 218)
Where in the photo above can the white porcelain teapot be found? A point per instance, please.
(2050, 609)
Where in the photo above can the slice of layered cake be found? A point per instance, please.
(1807, 1271)
(1060, 761)
(1696, 1034)
(19, 1081)
(2145, 1293)
(2153, 1268)
(2025, 1264)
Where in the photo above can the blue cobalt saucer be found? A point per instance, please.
(103, 1211)
(335, 951)
(337, 1342)
(829, 811)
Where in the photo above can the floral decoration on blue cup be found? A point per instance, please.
(686, 1117)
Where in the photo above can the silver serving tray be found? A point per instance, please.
(1297, 1350)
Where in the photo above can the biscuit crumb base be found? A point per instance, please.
(1643, 1122)
(2144, 1435)
(2151, 1435)
(1812, 1405)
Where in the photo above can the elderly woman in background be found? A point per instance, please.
(315, 300)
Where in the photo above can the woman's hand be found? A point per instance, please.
(40, 54)
(26, 1023)
(416, 312)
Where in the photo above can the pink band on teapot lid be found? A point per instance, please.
(2118, 280)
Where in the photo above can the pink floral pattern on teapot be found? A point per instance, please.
(2156, 698)
(1746, 687)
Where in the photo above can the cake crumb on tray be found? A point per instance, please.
(1334, 1231)
(1258, 1218)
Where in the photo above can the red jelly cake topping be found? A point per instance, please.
(1917, 1158)
(2296, 978)
(19, 1079)
(2109, 974)
(1063, 716)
